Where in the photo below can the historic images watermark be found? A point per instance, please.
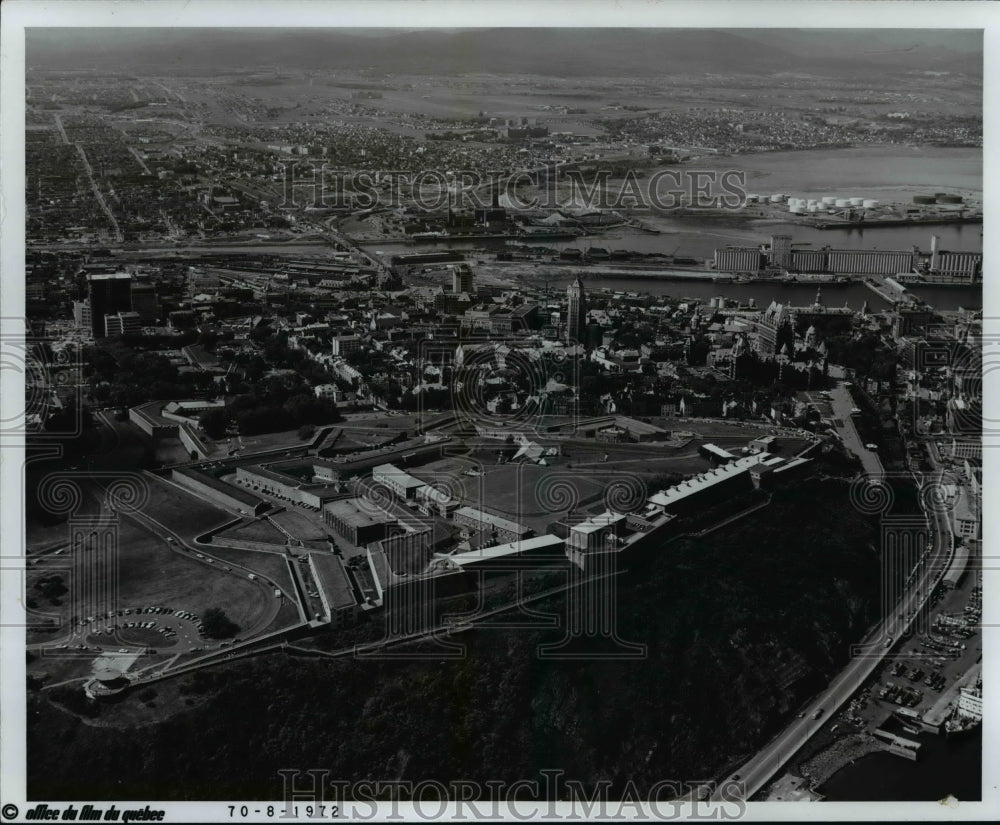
(322, 186)
(313, 794)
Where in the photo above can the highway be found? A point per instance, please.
(756, 773)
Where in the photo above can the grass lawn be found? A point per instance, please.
(151, 574)
(300, 525)
(185, 513)
(257, 530)
(272, 441)
(267, 565)
(535, 495)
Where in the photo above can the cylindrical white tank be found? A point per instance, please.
(777, 198)
(840, 202)
(815, 207)
(753, 198)
(870, 203)
(857, 201)
(796, 208)
(828, 200)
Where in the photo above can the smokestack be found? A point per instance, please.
(934, 251)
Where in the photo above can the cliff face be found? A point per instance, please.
(739, 627)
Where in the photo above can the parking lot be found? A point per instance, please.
(145, 628)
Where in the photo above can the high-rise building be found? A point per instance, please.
(109, 294)
(145, 303)
(576, 315)
(82, 316)
(461, 279)
(123, 323)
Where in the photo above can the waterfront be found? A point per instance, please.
(890, 173)
(893, 172)
(853, 294)
(947, 765)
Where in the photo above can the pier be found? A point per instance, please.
(893, 294)
(899, 746)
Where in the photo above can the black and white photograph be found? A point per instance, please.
(457, 411)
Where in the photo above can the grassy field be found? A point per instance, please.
(581, 479)
(151, 574)
(254, 531)
(301, 525)
(267, 565)
(180, 511)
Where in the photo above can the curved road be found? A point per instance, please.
(755, 773)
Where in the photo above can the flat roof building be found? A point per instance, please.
(335, 589)
(495, 526)
(402, 484)
(357, 520)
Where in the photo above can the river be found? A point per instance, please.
(947, 765)
(833, 294)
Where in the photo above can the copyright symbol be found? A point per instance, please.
(10, 811)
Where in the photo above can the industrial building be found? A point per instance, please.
(935, 266)
(540, 549)
(335, 590)
(597, 533)
(358, 521)
(289, 488)
(227, 496)
(498, 527)
(719, 484)
(402, 484)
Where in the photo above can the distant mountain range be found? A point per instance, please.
(562, 52)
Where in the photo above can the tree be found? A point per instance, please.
(218, 625)
(214, 422)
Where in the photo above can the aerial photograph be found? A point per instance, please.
(491, 413)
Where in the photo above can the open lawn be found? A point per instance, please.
(581, 479)
(300, 525)
(150, 574)
(256, 530)
(171, 451)
(289, 439)
(270, 566)
(184, 513)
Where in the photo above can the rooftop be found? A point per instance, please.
(595, 523)
(489, 518)
(217, 484)
(547, 542)
(703, 481)
(333, 578)
(357, 514)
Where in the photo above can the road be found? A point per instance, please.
(842, 403)
(119, 236)
(755, 773)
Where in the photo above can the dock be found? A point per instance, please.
(900, 746)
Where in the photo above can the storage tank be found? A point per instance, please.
(869, 203)
(949, 198)
(841, 202)
(924, 199)
(828, 200)
(857, 201)
(753, 198)
(815, 207)
(777, 198)
(797, 208)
